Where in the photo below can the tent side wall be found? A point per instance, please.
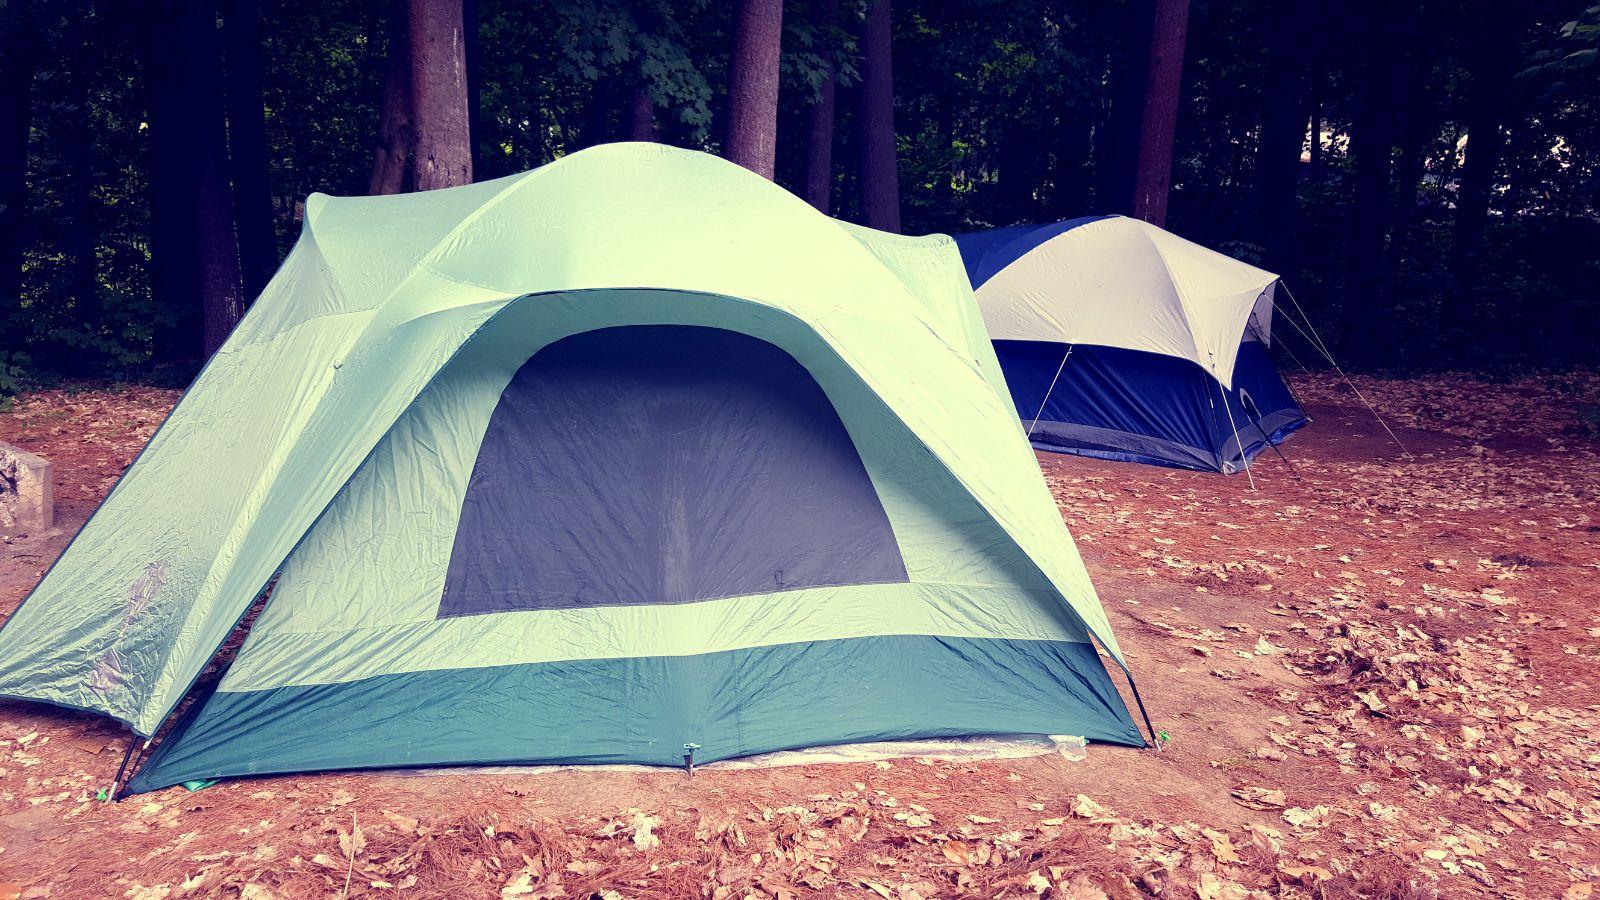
(1130, 406)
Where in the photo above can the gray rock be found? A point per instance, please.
(26, 502)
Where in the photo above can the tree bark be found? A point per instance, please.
(1491, 69)
(1417, 126)
(641, 115)
(247, 145)
(1314, 130)
(19, 59)
(76, 140)
(1117, 143)
(820, 117)
(441, 151)
(753, 86)
(194, 244)
(597, 113)
(471, 28)
(880, 175)
(1019, 162)
(389, 165)
(1371, 145)
(1158, 127)
(1071, 197)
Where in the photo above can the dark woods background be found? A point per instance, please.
(1441, 214)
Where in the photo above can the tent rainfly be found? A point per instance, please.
(1123, 341)
(591, 464)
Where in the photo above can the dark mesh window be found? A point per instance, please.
(663, 464)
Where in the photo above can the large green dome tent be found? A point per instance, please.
(630, 457)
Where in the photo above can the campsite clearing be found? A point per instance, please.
(1383, 679)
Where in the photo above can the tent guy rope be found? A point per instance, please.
(1316, 342)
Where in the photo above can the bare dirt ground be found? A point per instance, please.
(1381, 680)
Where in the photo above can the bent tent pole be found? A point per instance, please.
(1317, 344)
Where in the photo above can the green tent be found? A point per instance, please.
(628, 458)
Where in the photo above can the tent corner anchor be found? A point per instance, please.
(688, 758)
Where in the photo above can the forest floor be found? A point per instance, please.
(1380, 680)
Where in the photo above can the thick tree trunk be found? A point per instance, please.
(880, 170)
(247, 145)
(641, 115)
(753, 86)
(389, 166)
(1491, 70)
(1164, 88)
(441, 148)
(19, 58)
(194, 244)
(820, 117)
(1283, 133)
(1371, 144)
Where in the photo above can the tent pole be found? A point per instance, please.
(1247, 402)
(1245, 457)
(1048, 391)
(115, 794)
(1155, 740)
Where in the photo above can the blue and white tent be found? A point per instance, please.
(1120, 340)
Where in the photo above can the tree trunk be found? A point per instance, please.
(1283, 135)
(820, 118)
(1371, 144)
(597, 113)
(641, 115)
(1417, 127)
(76, 140)
(1164, 88)
(247, 145)
(1314, 130)
(1491, 69)
(194, 243)
(753, 86)
(1117, 145)
(1071, 197)
(1018, 159)
(471, 28)
(19, 58)
(880, 176)
(389, 166)
(441, 147)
